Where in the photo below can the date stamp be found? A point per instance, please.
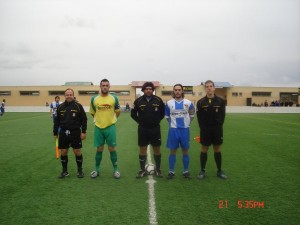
(242, 204)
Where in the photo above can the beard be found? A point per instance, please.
(104, 92)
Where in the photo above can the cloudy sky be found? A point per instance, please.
(244, 42)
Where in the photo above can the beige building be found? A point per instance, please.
(233, 95)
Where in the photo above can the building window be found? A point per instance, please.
(30, 93)
(120, 93)
(166, 93)
(240, 94)
(234, 94)
(56, 93)
(88, 92)
(5, 93)
(261, 94)
(188, 90)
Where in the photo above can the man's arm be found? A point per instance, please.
(51, 110)
(163, 109)
(192, 111)
(56, 123)
(134, 112)
(223, 111)
(199, 116)
(83, 118)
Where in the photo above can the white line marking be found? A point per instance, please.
(151, 182)
(271, 134)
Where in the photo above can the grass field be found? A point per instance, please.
(261, 156)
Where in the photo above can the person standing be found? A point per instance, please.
(211, 116)
(148, 111)
(2, 108)
(179, 112)
(72, 121)
(54, 106)
(105, 109)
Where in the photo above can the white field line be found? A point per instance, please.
(151, 182)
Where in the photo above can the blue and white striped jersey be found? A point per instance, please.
(179, 113)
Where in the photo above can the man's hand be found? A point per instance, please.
(83, 136)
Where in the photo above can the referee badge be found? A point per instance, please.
(217, 110)
(156, 109)
(74, 114)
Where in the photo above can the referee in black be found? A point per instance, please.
(148, 111)
(211, 115)
(72, 120)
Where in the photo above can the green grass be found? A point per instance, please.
(260, 155)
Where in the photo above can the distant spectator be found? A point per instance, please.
(47, 104)
(127, 107)
(2, 109)
(53, 108)
(266, 104)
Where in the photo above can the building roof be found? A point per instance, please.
(78, 83)
(140, 83)
(221, 84)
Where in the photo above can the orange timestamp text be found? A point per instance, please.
(242, 204)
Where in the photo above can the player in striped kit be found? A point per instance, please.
(179, 112)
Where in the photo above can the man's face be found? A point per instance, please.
(69, 95)
(148, 91)
(57, 99)
(210, 89)
(104, 86)
(177, 91)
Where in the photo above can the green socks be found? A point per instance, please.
(98, 159)
(114, 160)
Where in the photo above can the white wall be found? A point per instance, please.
(253, 109)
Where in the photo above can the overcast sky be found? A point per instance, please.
(244, 42)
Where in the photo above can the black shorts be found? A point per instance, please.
(69, 138)
(149, 136)
(211, 135)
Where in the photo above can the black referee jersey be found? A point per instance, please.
(210, 111)
(70, 116)
(148, 113)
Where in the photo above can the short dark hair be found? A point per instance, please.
(148, 84)
(209, 81)
(180, 85)
(104, 80)
(57, 97)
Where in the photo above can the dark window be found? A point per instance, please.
(88, 92)
(166, 93)
(34, 93)
(261, 93)
(5, 92)
(120, 93)
(56, 93)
